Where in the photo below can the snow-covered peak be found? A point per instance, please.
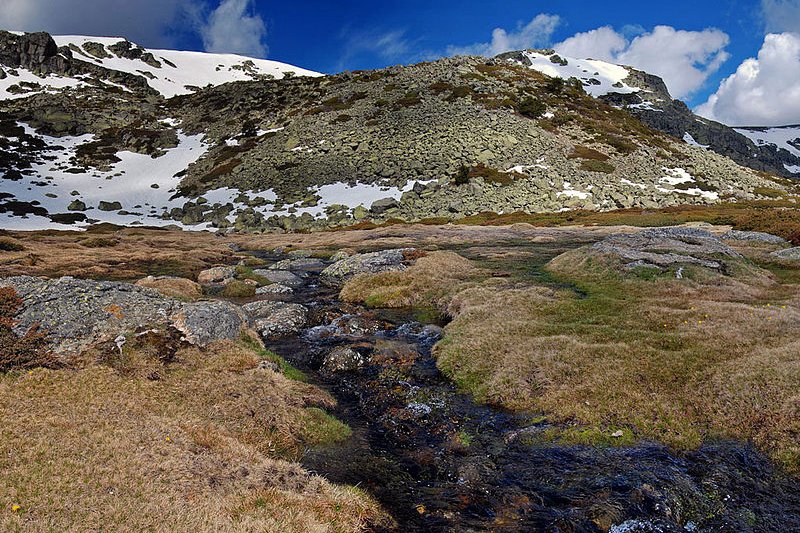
(179, 71)
(170, 72)
(599, 77)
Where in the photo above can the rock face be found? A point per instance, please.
(665, 247)
(276, 319)
(75, 313)
(370, 263)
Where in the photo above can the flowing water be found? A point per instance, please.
(439, 462)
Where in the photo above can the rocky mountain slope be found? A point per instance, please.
(646, 97)
(95, 129)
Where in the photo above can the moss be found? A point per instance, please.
(238, 289)
(246, 272)
(583, 152)
(322, 428)
(769, 192)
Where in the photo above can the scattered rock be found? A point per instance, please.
(386, 260)
(216, 275)
(109, 206)
(343, 359)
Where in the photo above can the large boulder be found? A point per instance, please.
(370, 263)
(665, 247)
(205, 322)
(276, 319)
(75, 314)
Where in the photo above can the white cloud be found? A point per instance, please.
(763, 91)
(603, 43)
(684, 59)
(149, 22)
(534, 34)
(234, 27)
(781, 15)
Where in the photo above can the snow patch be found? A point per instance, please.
(787, 138)
(688, 139)
(599, 77)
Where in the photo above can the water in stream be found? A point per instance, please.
(439, 462)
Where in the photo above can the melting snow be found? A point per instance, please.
(678, 176)
(590, 71)
(779, 137)
(569, 192)
(688, 139)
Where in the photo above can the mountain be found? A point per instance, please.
(98, 129)
(646, 97)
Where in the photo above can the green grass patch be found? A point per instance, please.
(323, 428)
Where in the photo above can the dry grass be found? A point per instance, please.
(182, 288)
(429, 282)
(203, 446)
(137, 253)
(676, 361)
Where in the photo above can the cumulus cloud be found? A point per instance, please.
(764, 90)
(234, 27)
(781, 15)
(150, 22)
(684, 59)
(535, 33)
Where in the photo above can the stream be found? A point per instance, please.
(437, 461)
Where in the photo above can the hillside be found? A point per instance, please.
(446, 139)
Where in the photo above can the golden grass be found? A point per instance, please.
(182, 288)
(202, 448)
(679, 361)
(137, 253)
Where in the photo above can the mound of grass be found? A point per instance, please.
(20, 352)
(591, 165)
(222, 433)
(583, 152)
(679, 361)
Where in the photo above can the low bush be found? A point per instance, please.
(7, 244)
(20, 352)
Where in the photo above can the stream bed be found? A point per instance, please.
(437, 461)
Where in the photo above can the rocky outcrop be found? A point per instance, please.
(343, 359)
(752, 236)
(370, 263)
(792, 254)
(75, 314)
(668, 247)
(216, 275)
(39, 53)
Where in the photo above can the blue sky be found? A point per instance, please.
(694, 45)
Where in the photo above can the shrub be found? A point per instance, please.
(531, 108)
(462, 177)
(555, 85)
(597, 166)
(99, 242)
(20, 352)
(582, 152)
(7, 244)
